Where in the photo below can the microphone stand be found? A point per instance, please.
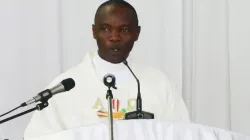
(109, 97)
(109, 81)
(39, 107)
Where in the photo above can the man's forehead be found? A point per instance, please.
(115, 12)
(115, 19)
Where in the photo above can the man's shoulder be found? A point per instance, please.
(149, 71)
(152, 75)
(73, 72)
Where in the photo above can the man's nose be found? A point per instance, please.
(115, 36)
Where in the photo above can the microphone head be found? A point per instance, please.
(109, 80)
(68, 84)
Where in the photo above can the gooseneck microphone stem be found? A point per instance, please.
(138, 114)
(138, 100)
(38, 107)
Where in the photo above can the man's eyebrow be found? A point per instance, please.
(125, 25)
(104, 24)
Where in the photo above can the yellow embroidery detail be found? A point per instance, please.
(131, 105)
(98, 105)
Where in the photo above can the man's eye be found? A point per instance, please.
(105, 29)
(124, 30)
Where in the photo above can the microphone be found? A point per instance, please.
(44, 96)
(138, 114)
(64, 85)
(109, 80)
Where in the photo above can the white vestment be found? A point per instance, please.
(86, 103)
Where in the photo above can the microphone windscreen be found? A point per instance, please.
(68, 84)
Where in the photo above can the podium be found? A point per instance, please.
(144, 130)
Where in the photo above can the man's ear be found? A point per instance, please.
(94, 31)
(137, 33)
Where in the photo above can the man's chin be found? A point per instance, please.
(116, 61)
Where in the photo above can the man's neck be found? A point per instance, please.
(103, 67)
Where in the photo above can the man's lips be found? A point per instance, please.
(115, 50)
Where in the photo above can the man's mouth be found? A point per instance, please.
(116, 50)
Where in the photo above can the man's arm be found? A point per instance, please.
(175, 106)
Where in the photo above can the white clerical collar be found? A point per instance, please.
(107, 66)
(103, 67)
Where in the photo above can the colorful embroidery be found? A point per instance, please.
(98, 104)
(117, 113)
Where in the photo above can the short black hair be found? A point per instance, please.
(120, 3)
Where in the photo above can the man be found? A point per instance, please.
(115, 30)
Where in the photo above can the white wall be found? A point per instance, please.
(205, 61)
(239, 50)
(29, 56)
(215, 62)
(211, 89)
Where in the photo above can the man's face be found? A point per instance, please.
(115, 31)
